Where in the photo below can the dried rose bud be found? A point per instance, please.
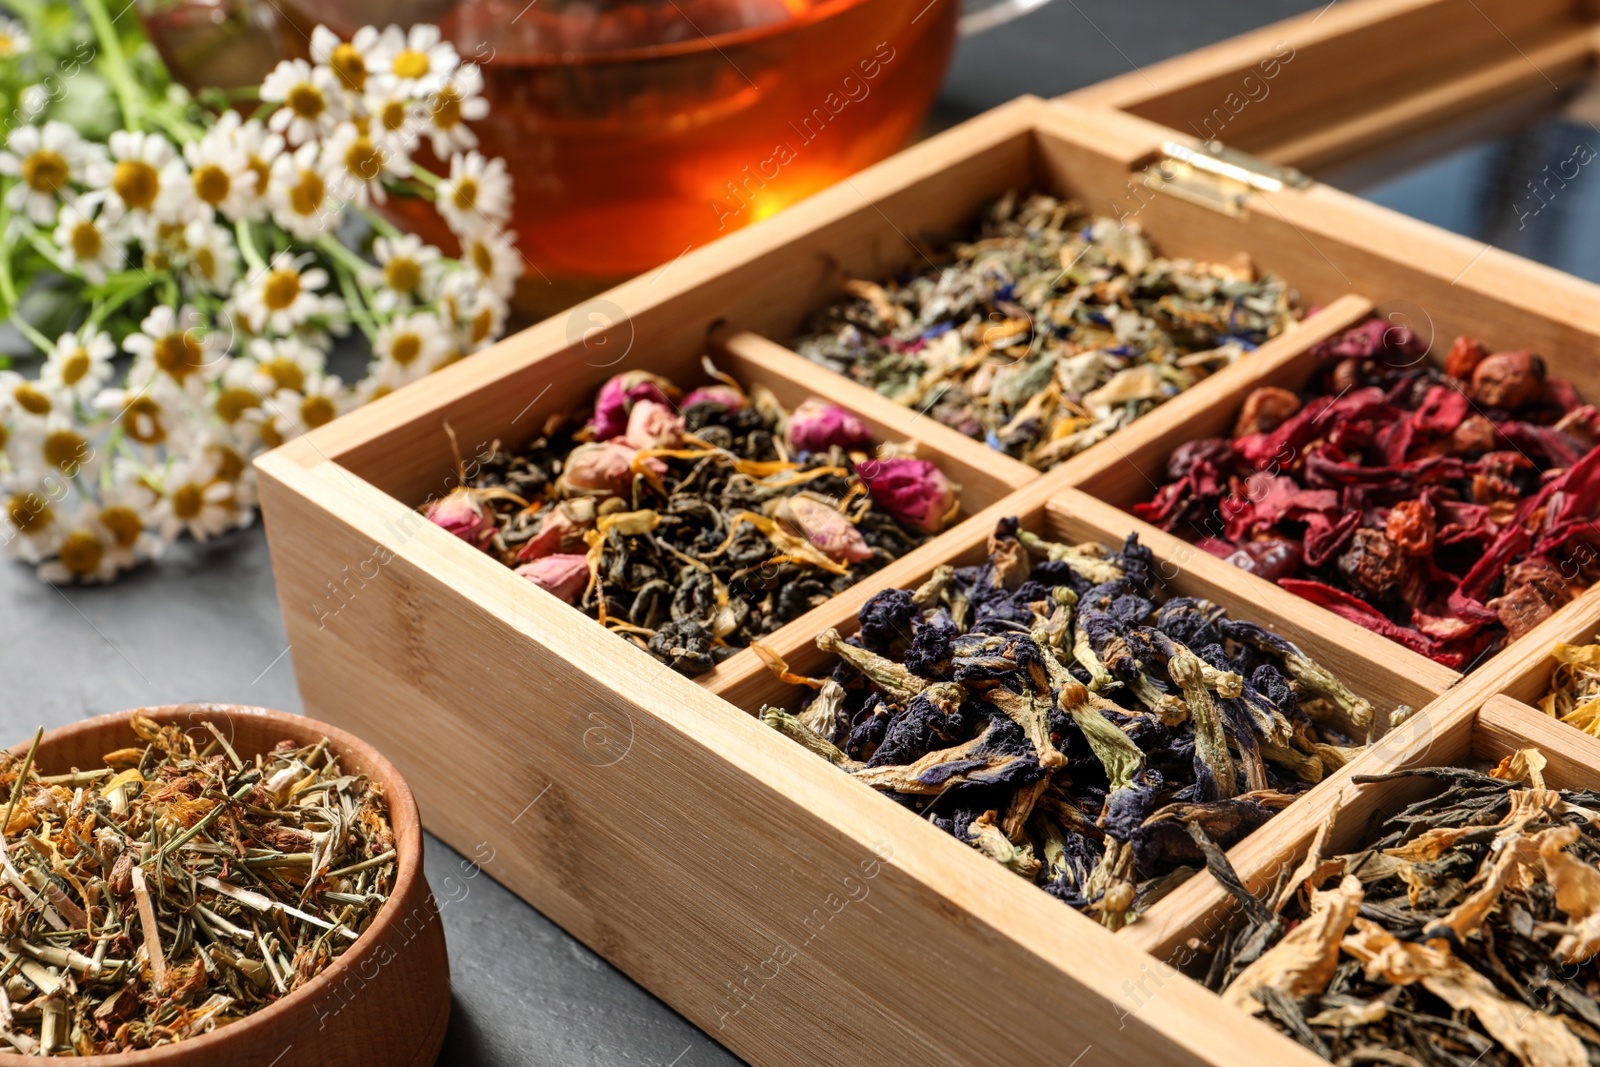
(1508, 380)
(1475, 434)
(603, 469)
(1264, 410)
(617, 396)
(1411, 527)
(1464, 357)
(726, 395)
(564, 575)
(652, 424)
(561, 528)
(825, 526)
(121, 880)
(460, 512)
(913, 491)
(816, 426)
(1347, 376)
(1373, 563)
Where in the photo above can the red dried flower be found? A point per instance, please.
(1265, 409)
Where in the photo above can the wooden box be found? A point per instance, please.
(794, 914)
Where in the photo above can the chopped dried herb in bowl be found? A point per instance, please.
(1053, 710)
(178, 888)
(1464, 934)
(693, 523)
(1048, 330)
(1447, 508)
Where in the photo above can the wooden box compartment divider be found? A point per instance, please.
(787, 910)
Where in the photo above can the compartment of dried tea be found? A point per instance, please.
(1574, 695)
(692, 522)
(1463, 933)
(1047, 329)
(1055, 710)
(1449, 509)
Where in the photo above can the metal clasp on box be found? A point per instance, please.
(1216, 176)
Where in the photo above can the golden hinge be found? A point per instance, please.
(1217, 177)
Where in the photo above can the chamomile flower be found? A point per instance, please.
(355, 163)
(212, 259)
(84, 553)
(491, 255)
(261, 148)
(415, 62)
(22, 400)
(397, 119)
(56, 448)
(296, 413)
(220, 174)
(14, 39)
(347, 59)
(127, 512)
(31, 523)
(196, 501)
(79, 364)
(456, 103)
(478, 190)
(142, 177)
(177, 346)
(310, 97)
(301, 200)
(46, 160)
(483, 316)
(407, 271)
(150, 416)
(284, 296)
(88, 244)
(286, 362)
(241, 388)
(411, 345)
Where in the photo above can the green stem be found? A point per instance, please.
(336, 250)
(8, 287)
(117, 73)
(426, 177)
(359, 313)
(247, 246)
(379, 224)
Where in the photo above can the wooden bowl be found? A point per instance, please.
(385, 1002)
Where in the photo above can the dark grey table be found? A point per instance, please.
(203, 624)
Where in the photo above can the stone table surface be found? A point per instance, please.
(203, 624)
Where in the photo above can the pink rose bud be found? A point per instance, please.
(597, 470)
(460, 513)
(726, 395)
(653, 425)
(565, 575)
(824, 526)
(561, 529)
(617, 397)
(913, 491)
(816, 426)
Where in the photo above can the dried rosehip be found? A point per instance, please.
(1475, 434)
(1270, 557)
(1464, 357)
(1373, 563)
(1265, 410)
(1508, 380)
(1346, 375)
(1411, 527)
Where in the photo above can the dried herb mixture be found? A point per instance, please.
(1053, 710)
(1048, 330)
(1464, 936)
(1574, 695)
(178, 888)
(1447, 508)
(691, 524)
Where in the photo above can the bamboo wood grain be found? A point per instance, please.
(709, 839)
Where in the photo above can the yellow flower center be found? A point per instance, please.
(75, 366)
(234, 401)
(447, 108)
(316, 410)
(347, 63)
(205, 264)
(363, 159)
(29, 512)
(45, 171)
(402, 274)
(281, 289)
(263, 173)
(8, 45)
(137, 183)
(308, 193)
(230, 465)
(378, 391)
(179, 354)
(123, 522)
(405, 349)
(306, 101)
(211, 183)
(86, 241)
(142, 421)
(30, 399)
(410, 63)
(5, 436)
(393, 115)
(466, 194)
(187, 500)
(482, 322)
(270, 435)
(285, 373)
(81, 552)
(65, 450)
